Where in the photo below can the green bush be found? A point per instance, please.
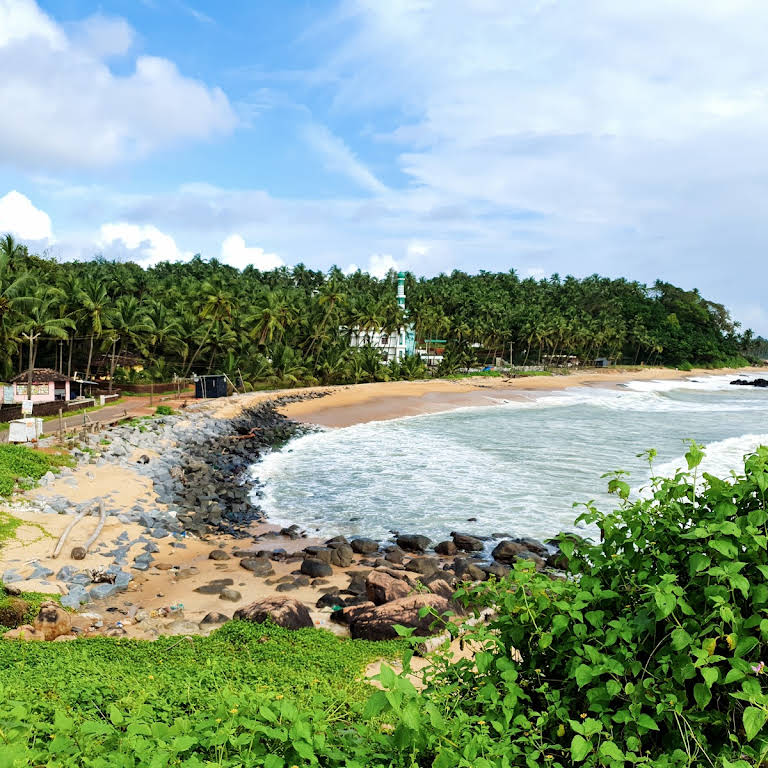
(650, 652)
(18, 461)
(163, 410)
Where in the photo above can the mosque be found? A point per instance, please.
(393, 346)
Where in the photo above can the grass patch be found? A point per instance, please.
(8, 526)
(246, 692)
(19, 462)
(33, 599)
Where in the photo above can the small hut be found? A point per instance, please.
(47, 385)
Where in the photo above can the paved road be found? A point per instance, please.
(128, 406)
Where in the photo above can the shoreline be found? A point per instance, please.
(169, 493)
(348, 405)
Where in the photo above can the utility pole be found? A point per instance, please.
(112, 366)
(32, 338)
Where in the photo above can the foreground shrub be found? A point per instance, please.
(650, 652)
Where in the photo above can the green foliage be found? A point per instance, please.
(33, 601)
(18, 461)
(247, 695)
(649, 652)
(8, 525)
(288, 328)
(163, 410)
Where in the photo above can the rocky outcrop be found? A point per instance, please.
(382, 588)
(447, 548)
(412, 542)
(751, 382)
(283, 611)
(53, 621)
(467, 543)
(378, 622)
(315, 568)
(364, 546)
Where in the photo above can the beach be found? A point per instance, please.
(183, 582)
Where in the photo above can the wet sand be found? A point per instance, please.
(360, 403)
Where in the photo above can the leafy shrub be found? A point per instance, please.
(163, 410)
(650, 652)
(18, 461)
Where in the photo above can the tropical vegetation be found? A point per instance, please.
(650, 649)
(292, 326)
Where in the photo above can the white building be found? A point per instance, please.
(393, 346)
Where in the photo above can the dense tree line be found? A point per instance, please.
(292, 325)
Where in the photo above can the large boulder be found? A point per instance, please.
(446, 547)
(378, 623)
(258, 566)
(467, 569)
(413, 542)
(467, 543)
(342, 555)
(24, 632)
(283, 611)
(364, 546)
(52, 621)
(381, 588)
(508, 551)
(319, 553)
(315, 568)
(423, 565)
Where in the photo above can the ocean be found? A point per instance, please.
(517, 467)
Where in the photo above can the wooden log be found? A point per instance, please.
(77, 518)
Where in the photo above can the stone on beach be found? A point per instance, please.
(381, 588)
(283, 611)
(316, 568)
(364, 546)
(378, 622)
(467, 543)
(52, 621)
(412, 542)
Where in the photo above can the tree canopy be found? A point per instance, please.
(292, 326)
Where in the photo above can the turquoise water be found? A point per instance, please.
(518, 467)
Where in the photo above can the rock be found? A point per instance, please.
(558, 561)
(468, 570)
(214, 587)
(258, 566)
(351, 612)
(342, 555)
(75, 597)
(101, 591)
(286, 586)
(446, 548)
(319, 553)
(218, 554)
(230, 594)
(497, 569)
(143, 459)
(283, 611)
(11, 589)
(423, 565)
(395, 555)
(412, 542)
(382, 588)
(52, 621)
(214, 617)
(364, 546)
(442, 588)
(533, 545)
(164, 566)
(508, 551)
(330, 601)
(302, 581)
(78, 553)
(12, 612)
(378, 623)
(537, 559)
(336, 541)
(467, 543)
(24, 632)
(315, 568)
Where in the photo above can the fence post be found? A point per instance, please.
(61, 425)
(151, 392)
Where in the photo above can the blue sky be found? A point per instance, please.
(544, 136)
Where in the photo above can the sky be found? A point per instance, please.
(623, 138)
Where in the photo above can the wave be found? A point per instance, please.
(720, 457)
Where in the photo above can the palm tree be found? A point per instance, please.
(41, 320)
(95, 305)
(217, 304)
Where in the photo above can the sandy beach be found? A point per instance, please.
(349, 405)
(182, 571)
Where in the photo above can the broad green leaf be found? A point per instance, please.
(725, 547)
(273, 761)
(702, 694)
(580, 748)
(583, 675)
(680, 639)
(710, 675)
(646, 721)
(753, 720)
(611, 751)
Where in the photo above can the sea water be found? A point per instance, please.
(517, 467)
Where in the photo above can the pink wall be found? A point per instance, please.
(20, 391)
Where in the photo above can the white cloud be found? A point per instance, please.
(19, 217)
(237, 254)
(339, 158)
(64, 107)
(144, 244)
